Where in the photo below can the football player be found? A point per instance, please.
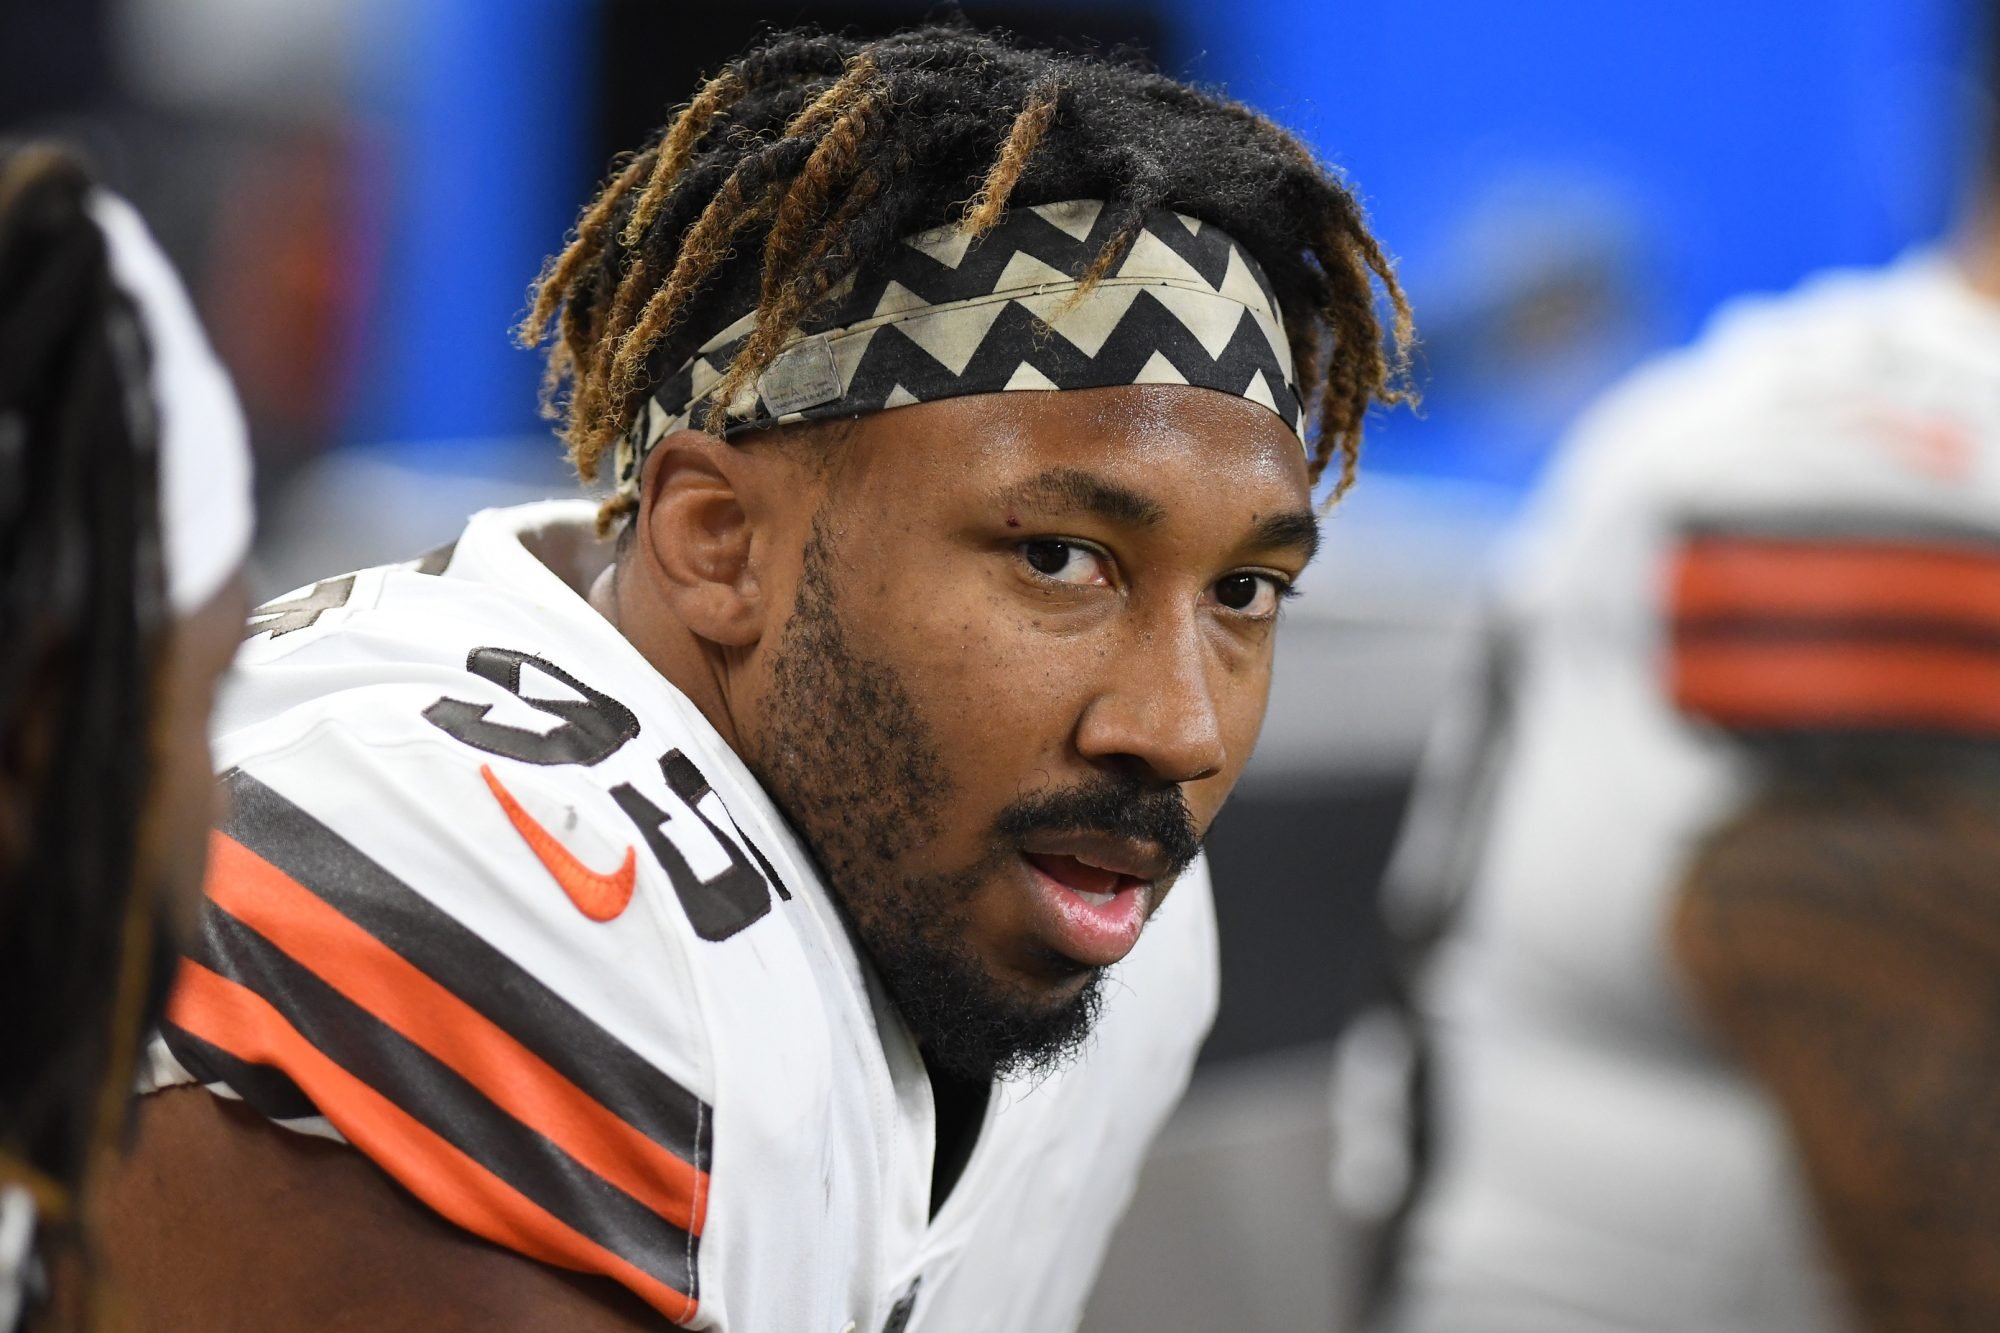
(734, 894)
(1716, 879)
(124, 521)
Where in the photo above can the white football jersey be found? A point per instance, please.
(1792, 527)
(496, 905)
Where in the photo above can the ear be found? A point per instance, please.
(697, 534)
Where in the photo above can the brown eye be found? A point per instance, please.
(1238, 591)
(1047, 557)
(1252, 595)
(1065, 561)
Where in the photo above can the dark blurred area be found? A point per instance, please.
(231, 127)
(648, 64)
(360, 192)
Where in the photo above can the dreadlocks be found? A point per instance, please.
(808, 158)
(82, 610)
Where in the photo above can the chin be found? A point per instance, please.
(977, 1019)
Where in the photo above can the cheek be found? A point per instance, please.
(999, 689)
(1243, 693)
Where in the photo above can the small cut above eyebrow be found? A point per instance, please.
(1072, 490)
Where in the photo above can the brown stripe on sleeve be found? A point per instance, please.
(1820, 632)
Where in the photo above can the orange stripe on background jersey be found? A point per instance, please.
(386, 984)
(244, 1024)
(1752, 684)
(1730, 577)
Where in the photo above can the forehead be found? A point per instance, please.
(1187, 449)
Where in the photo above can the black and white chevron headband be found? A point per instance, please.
(947, 315)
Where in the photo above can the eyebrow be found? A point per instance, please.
(1297, 530)
(1075, 490)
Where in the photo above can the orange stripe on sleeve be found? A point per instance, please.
(1838, 684)
(381, 981)
(241, 1022)
(1720, 577)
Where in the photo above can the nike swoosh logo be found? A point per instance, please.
(599, 896)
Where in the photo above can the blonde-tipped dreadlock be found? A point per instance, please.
(804, 161)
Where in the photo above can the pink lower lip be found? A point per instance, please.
(1093, 934)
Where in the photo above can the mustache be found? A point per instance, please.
(1122, 807)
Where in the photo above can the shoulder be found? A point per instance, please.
(471, 905)
(456, 964)
(1790, 527)
(470, 706)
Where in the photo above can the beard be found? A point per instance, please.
(850, 759)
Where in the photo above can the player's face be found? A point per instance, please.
(1028, 656)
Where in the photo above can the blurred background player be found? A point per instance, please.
(1705, 870)
(124, 521)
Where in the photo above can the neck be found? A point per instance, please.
(695, 667)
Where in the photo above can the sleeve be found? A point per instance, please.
(1853, 623)
(404, 941)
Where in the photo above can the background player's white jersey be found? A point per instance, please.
(1764, 533)
(497, 905)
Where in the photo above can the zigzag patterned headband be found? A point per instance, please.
(947, 315)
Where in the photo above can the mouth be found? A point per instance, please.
(1091, 901)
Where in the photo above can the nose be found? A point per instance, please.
(1156, 711)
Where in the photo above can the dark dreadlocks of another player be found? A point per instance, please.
(111, 639)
